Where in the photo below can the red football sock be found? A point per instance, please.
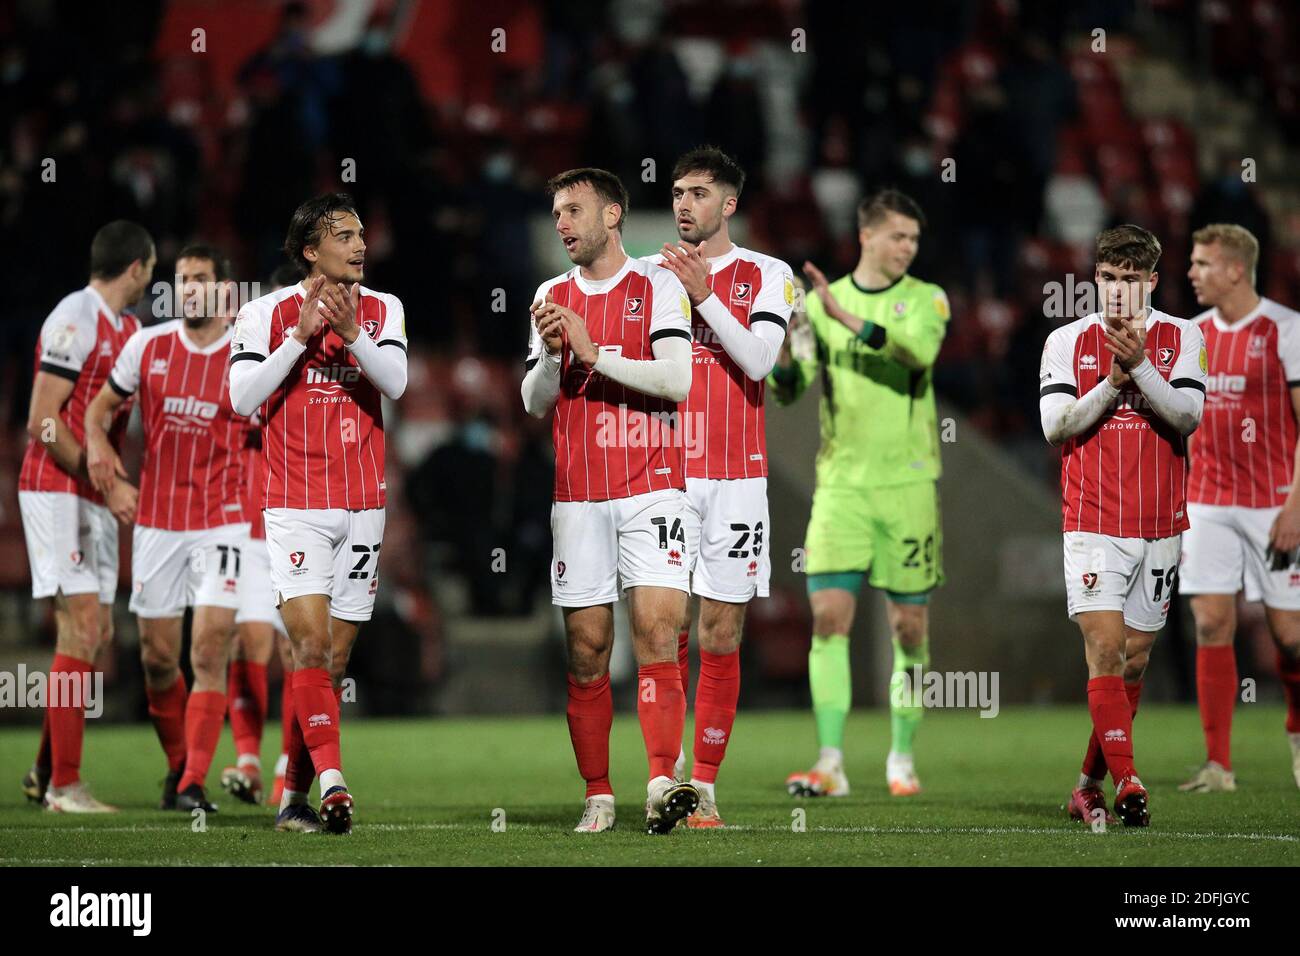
(317, 706)
(167, 711)
(43, 755)
(205, 712)
(247, 690)
(1094, 764)
(67, 717)
(684, 657)
(1288, 669)
(591, 713)
(298, 772)
(287, 722)
(1112, 722)
(1216, 692)
(715, 711)
(661, 706)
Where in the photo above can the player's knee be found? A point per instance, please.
(1214, 629)
(1136, 666)
(909, 626)
(160, 668)
(832, 620)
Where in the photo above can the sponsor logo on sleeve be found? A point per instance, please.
(789, 290)
(1205, 361)
(941, 304)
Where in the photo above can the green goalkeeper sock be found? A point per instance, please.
(832, 687)
(905, 708)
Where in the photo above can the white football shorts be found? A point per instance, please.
(329, 551)
(173, 570)
(604, 547)
(727, 535)
(71, 544)
(1226, 551)
(1133, 575)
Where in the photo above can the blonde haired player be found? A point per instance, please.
(1244, 500)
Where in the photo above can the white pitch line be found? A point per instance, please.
(879, 831)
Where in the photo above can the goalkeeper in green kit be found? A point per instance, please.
(875, 336)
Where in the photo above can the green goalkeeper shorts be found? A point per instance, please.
(892, 532)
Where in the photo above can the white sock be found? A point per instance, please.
(331, 778)
(288, 797)
(831, 755)
(281, 765)
(705, 788)
(250, 760)
(1086, 782)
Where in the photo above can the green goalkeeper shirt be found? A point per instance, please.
(878, 420)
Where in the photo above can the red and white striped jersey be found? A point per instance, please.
(192, 475)
(323, 431)
(724, 401)
(612, 441)
(254, 481)
(1126, 476)
(79, 341)
(1244, 452)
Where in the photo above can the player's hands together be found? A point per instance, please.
(1284, 536)
(691, 269)
(340, 305)
(122, 500)
(1125, 342)
(571, 325)
(310, 319)
(549, 327)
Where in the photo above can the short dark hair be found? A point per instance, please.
(1128, 246)
(874, 208)
(711, 160)
(284, 275)
(309, 222)
(606, 185)
(202, 250)
(116, 246)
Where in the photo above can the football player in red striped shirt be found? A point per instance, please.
(1244, 500)
(260, 628)
(71, 529)
(191, 521)
(1120, 391)
(610, 353)
(317, 358)
(741, 302)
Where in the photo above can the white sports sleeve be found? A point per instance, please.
(755, 348)
(541, 385)
(1062, 413)
(68, 336)
(668, 374)
(1180, 400)
(385, 367)
(1288, 346)
(256, 366)
(125, 375)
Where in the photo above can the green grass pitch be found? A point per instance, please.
(428, 792)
